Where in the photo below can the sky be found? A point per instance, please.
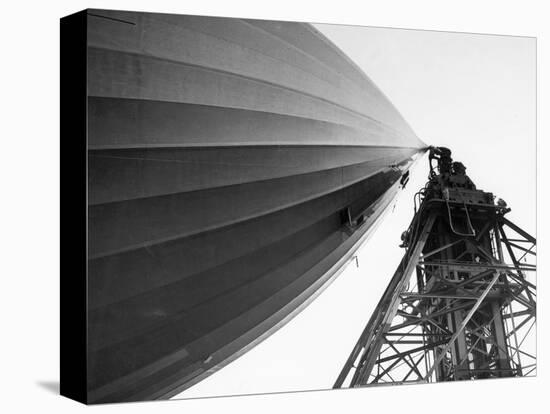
(474, 94)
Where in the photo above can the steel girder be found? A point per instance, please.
(461, 305)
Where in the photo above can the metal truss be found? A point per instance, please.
(462, 303)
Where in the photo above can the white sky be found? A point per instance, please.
(472, 93)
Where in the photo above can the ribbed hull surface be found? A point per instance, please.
(227, 159)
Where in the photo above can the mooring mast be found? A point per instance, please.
(461, 304)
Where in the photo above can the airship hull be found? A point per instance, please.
(233, 167)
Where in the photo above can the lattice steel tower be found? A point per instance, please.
(462, 303)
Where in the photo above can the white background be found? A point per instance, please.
(29, 174)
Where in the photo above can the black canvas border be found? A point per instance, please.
(73, 206)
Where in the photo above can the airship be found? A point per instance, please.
(234, 167)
